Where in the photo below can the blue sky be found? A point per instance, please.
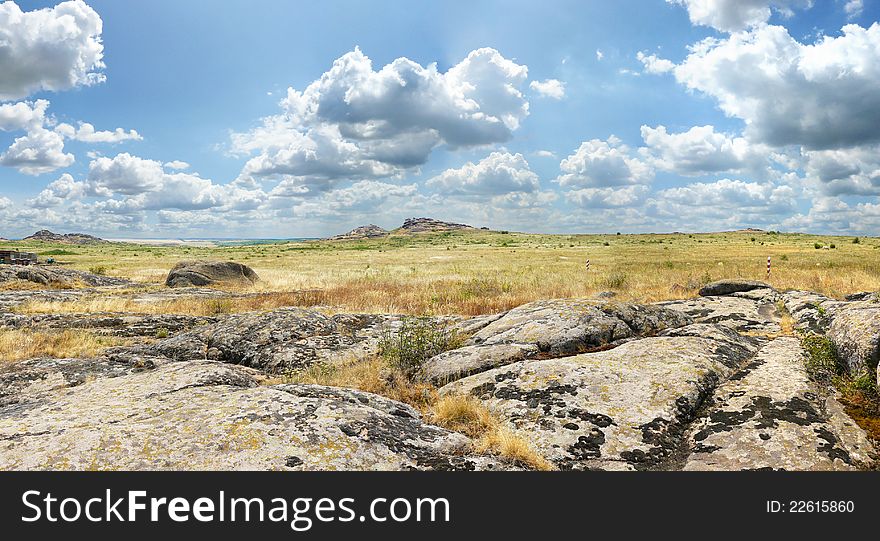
(175, 118)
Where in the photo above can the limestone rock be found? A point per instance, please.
(769, 415)
(206, 415)
(726, 287)
(462, 362)
(855, 333)
(363, 232)
(205, 273)
(625, 408)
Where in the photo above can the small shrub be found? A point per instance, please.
(219, 306)
(832, 246)
(606, 243)
(615, 280)
(100, 270)
(162, 332)
(856, 240)
(822, 361)
(417, 340)
(817, 246)
(784, 257)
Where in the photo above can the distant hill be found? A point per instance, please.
(45, 235)
(363, 232)
(421, 225)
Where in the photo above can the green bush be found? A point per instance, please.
(856, 240)
(416, 341)
(817, 246)
(822, 361)
(162, 332)
(98, 269)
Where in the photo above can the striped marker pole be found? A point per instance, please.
(768, 267)
(588, 264)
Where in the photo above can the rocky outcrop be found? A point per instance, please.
(207, 273)
(53, 276)
(363, 232)
(113, 324)
(44, 235)
(279, 340)
(549, 329)
(769, 415)
(423, 225)
(625, 408)
(207, 415)
(726, 287)
(741, 314)
(853, 327)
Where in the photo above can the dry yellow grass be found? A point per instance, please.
(19, 344)
(484, 272)
(461, 414)
(469, 416)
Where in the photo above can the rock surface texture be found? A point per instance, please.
(699, 384)
(206, 273)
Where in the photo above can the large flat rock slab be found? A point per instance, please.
(547, 329)
(625, 408)
(279, 340)
(207, 415)
(741, 313)
(769, 415)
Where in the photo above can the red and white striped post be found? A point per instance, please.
(768, 267)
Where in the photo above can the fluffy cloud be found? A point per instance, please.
(132, 184)
(654, 64)
(820, 96)
(40, 151)
(177, 165)
(366, 197)
(854, 171)
(49, 49)
(598, 164)
(65, 189)
(498, 173)
(23, 115)
(607, 197)
(735, 15)
(87, 134)
(550, 88)
(356, 122)
(733, 203)
(702, 151)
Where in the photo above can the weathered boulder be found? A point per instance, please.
(853, 327)
(625, 408)
(548, 329)
(769, 415)
(206, 415)
(53, 276)
(570, 326)
(278, 340)
(205, 273)
(855, 333)
(726, 287)
(738, 313)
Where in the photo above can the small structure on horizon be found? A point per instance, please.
(14, 257)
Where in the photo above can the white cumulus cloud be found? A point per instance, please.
(49, 49)
(735, 15)
(549, 88)
(498, 173)
(598, 164)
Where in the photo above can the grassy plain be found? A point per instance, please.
(480, 272)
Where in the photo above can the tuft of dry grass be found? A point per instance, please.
(457, 413)
(20, 344)
(469, 416)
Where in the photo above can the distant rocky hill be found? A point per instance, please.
(410, 225)
(420, 225)
(45, 235)
(363, 232)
